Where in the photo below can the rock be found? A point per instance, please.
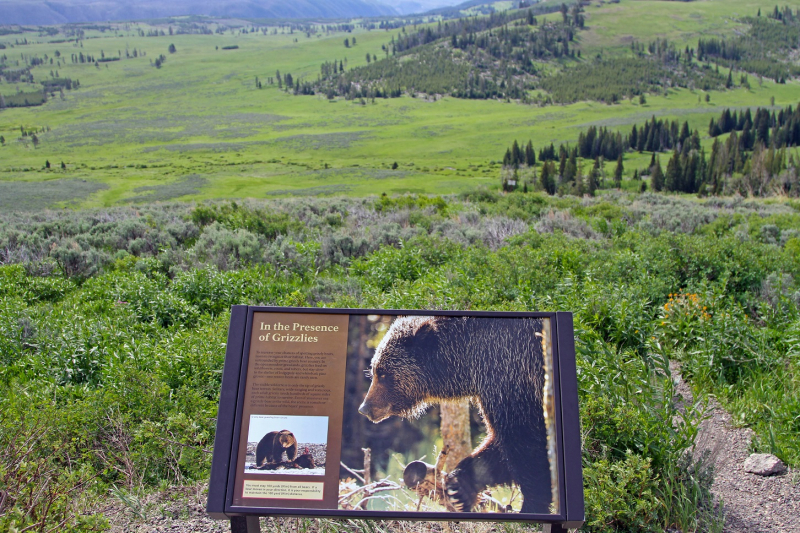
(764, 464)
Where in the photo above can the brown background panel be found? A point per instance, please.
(334, 345)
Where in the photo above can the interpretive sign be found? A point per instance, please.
(413, 415)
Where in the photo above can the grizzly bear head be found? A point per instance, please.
(287, 438)
(401, 370)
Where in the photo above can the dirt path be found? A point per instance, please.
(751, 503)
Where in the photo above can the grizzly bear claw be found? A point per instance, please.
(461, 491)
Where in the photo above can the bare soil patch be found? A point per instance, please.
(750, 502)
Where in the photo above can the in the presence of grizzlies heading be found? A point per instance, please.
(496, 362)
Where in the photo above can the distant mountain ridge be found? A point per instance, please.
(44, 12)
(408, 7)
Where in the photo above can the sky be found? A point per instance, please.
(306, 429)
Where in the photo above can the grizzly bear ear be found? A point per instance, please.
(426, 328)
(427, 332)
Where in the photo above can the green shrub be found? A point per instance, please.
(233, 216)
(225, 248)
(42, 477)
(621, 496)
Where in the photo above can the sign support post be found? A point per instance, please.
(245, 524)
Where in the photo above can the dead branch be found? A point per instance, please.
(354, 472)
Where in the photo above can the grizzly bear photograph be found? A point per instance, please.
(496, 365)
(271, 448)
(287, 445)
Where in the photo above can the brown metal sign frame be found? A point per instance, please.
(229, 424)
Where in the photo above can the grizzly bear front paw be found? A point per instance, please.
(461, 490)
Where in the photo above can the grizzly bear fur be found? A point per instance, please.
(498, 364)
(305, 461)
(273, 445)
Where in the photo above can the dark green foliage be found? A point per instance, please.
(54, 84)
(784, 127)
(657, 176)
(471, 26)
(762, 50)
(234, 217)
(611, 80)
(430, 70)
(25, 99)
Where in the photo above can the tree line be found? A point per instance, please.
(755, 158)
(778, 130)
(653, 136)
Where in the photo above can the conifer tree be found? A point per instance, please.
(577, 183)
(530, 155)
(672, 180)
(618, 172)
(548, 180)
(657, 176)
(591, 182)
(516, 155)
(571, 169)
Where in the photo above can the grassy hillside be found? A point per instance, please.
(200, 120)
(612, 25)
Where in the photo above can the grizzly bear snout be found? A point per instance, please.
(370, 408)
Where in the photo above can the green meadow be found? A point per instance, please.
(199, 128)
